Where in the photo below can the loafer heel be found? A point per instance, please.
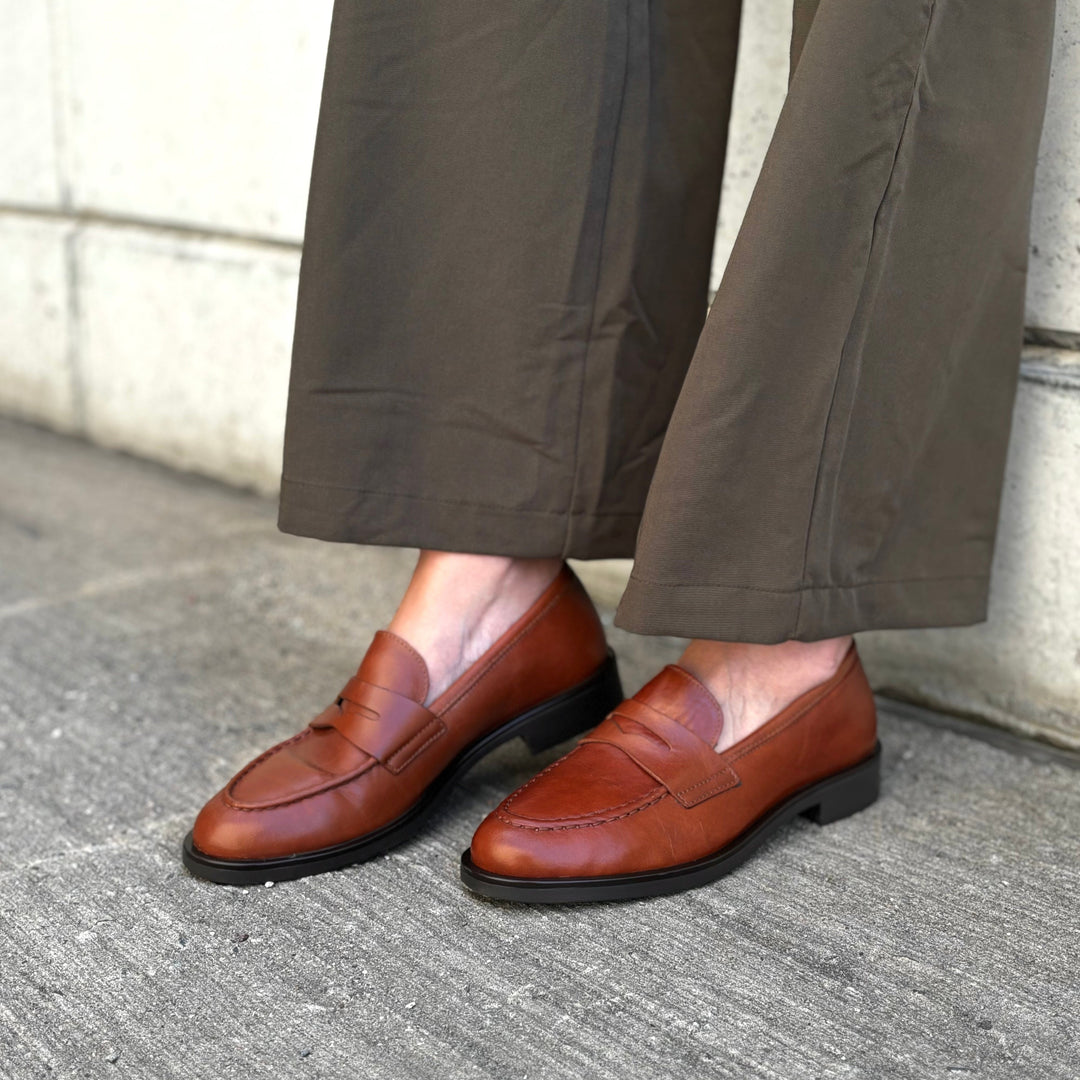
(576, 711)
(850, 792)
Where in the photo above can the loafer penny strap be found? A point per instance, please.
(673, 755)
(389, 727)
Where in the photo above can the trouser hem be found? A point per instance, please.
(395, 519)
(767, 616)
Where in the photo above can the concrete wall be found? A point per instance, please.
(152, 197)
(152, 194)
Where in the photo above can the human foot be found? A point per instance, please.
(752, 683)
(456, 606)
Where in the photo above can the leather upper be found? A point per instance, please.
(645, 790)
(369, 756)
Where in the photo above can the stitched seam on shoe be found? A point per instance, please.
(543, 772)
(401, 749)
(355, 775)
(651, 793)
(260, 759)
(228, 793)
(510, 645)
(758, 742)
(725, 769)
(582, 825)
(727, 772)
(702, 796)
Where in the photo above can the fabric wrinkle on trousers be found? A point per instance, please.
(501, 344)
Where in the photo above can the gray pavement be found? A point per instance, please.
(156, 631)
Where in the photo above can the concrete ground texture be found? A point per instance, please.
(156, 631)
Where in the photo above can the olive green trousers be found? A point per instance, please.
(501, 343)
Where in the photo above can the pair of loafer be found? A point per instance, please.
(642, 805)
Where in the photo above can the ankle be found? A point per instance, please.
(753, 683)
(457, 605)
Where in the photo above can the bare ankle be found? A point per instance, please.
(457, 605)
(754, 682)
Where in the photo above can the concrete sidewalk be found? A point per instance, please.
(156, 631)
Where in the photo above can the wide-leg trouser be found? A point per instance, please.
(499, 343)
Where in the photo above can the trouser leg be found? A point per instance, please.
(505, 268)
(834, 461)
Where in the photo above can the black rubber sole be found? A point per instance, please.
(827, 801)
(556, 720)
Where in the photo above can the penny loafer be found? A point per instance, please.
(644, 805)
(368, 771)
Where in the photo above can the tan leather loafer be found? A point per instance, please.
(644, 805)
(368, 771)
